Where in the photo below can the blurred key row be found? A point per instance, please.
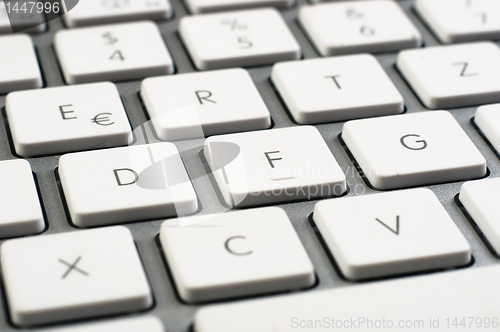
(451, 21)
(229, 39)
(236, 255)
(407, 231)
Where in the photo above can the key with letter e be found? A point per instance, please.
(80, 117)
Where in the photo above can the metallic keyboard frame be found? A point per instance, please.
(178, 316)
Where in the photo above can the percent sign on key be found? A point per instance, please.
(234, 25)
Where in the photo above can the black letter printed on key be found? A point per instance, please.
(270, 160)
(63, 112)
(204, 95)
(125, 173)
(420, 147)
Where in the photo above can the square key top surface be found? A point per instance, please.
(280, 165)
(238, 39)
(126, 184)
(73, 275)
(407, 150)
(453, 75)
(120, 52)
(390, 233)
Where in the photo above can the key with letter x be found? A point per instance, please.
(73, 275)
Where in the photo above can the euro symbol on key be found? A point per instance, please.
(102, 120)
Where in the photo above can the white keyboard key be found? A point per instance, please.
(91, 12)
(237, 39)
(203, 104)
(336, 89)
(17, 21)
(146, 324)
(112, 53)
(393, 233)
(453, 76)
(73, 275)
(455, 21)
(480, 198)
(18, 64)
(487, 119)
(235, 255)
(204, 6)
(79, 117)
(358, 26)
(126, 184)
(424, 303)
(272, 166)
(20, 210)
(413, 149)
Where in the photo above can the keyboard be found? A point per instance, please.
(249, 165)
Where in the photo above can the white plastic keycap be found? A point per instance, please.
(336, 89)
(20, 210)
(455, 21)
(358, 26)
(91, 12)
(487, 119)
(73, 275)
(126, 184)
(480, 199)
(65, 119)
(413, 149)
(18, 64)
(454, 75)
(115, 52)
(390, 233)
(272, 166)
(238, 39)
(205, 6)
(235, 255)
(147, 323)
(201, 104)
(414, 304)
